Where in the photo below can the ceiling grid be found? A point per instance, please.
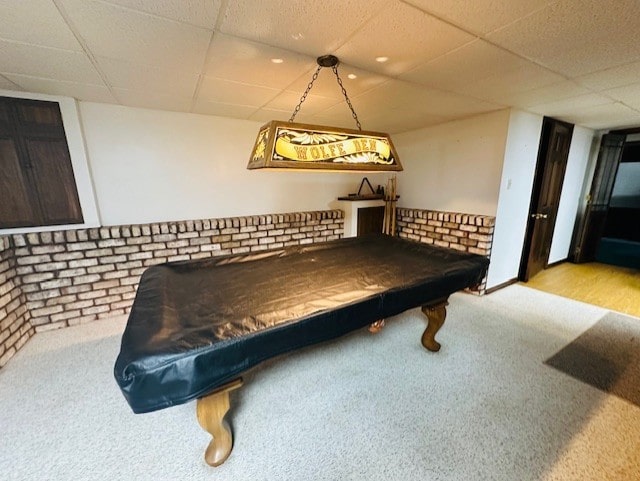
(575, 60)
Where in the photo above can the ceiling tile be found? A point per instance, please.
(225, 91)
(341, 113)
(571, 106)
(133, 76)
(120, 33)
(451, 105)
(233, 58)
(521, 79)
(480, 16)
(202, 13)
(267, 115)
(400, 95)
(311, 27)
(397, 121)
(223, 110)
(312, 105)
(7, 84)
(552, 56)
(86, 92)
(338, 114)
(576, 37)
(393, 94)
(611, 78)
(152, 100)
(45, 62)
(608, 116)
(336, 118)
(628, 95)
(327, 85)
(37, 22)
(405, 35)
(550, 93)
(465, 65)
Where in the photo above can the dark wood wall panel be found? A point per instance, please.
(15, 206)
(37, 185)
(370, 220)
(58, 196)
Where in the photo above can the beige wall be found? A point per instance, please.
(516, 184)
(154, 166)
(454, 167)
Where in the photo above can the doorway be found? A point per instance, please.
(609, 231)
(592, 224)
(553, 154)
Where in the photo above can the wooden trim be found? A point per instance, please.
(501, 286)
(633, 130)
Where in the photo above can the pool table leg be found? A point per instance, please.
(210, 411)
(376, 327)
(436, 313)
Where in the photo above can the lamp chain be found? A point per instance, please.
(304, 95)
(344, 92)
(346, 97)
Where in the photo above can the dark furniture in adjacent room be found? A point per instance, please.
(196, 326)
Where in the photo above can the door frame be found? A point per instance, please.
(544, 146)
(589, 229)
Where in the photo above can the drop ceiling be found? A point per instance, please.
(575, 60)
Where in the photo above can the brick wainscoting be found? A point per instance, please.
(55, 279)
(15, 328)
(463, 232)
(50, 280)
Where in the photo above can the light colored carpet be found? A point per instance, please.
(363, 407)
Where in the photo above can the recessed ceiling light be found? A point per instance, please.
(352, 76)
(277, 60)
(382, 59)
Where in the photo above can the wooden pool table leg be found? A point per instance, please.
(436, 313)
(210, 411)
(376, 327)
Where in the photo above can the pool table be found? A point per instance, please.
(196, 326)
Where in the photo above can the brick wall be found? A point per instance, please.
(76, 276)
(50, 280)
(463, 232)
(15, 328)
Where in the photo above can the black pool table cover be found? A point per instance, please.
(196, 325)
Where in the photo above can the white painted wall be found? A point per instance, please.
(75, 142)
(455, 166)
(516, 183)
(151, 166)
(481, 165)
(574, 180)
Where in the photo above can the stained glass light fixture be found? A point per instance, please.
(289, 145)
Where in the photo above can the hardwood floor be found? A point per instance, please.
(611, 287)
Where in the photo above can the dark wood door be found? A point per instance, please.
(15, 205)
(37, 184)
(370, 220)
(595, 216)
(547, 187)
